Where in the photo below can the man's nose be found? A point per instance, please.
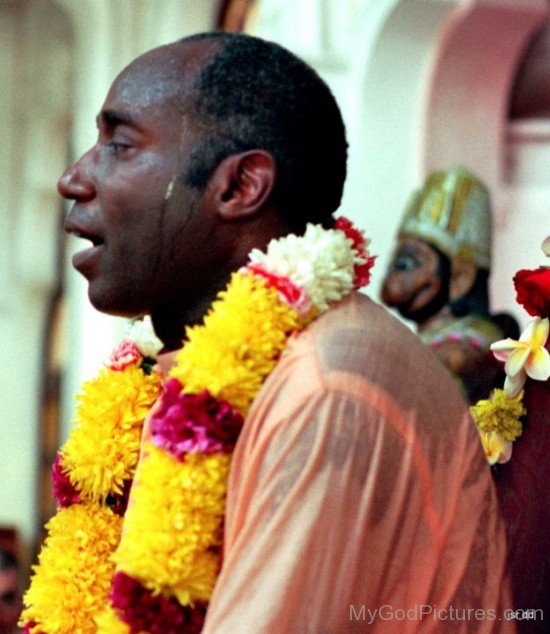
(75, 183)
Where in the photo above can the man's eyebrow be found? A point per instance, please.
(112, 118)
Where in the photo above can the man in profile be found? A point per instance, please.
(358, 479)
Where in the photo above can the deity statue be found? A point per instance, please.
(438, 277)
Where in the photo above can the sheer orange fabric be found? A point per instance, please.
(359, 497)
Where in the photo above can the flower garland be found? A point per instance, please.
(91, 479)
(499, 418)
(160, 568)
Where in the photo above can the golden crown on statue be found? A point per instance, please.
(452, 211)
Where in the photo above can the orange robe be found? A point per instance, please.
(359, 497)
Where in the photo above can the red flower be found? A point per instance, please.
(63, 490)
(533, 290)
(191, 423)
(362, 271)
(137, 607)
(352, 232)
(292, 294)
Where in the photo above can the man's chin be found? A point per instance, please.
(114, 304)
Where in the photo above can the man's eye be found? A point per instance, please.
(118, 148)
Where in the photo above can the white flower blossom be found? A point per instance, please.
(321, 262)
(525, 357)
(142, 334)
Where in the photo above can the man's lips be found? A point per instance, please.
(87, 261)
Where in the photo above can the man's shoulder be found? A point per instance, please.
(361, 342)
(361, 332)
(359, 362)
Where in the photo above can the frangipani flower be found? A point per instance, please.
(526, 357)
(496, 448)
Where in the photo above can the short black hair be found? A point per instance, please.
(254, 94)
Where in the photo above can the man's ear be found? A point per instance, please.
(242, 184)
(463, 275)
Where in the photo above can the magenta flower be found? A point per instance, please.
(142, 612)
(63, 490)
(194, 423)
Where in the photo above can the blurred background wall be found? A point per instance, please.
(423, 85)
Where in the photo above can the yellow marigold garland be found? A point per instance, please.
(109, 420)
(168, 539)
(239, 343)
(109, 623)
(72, 579)
(70, 585)
(175, 520)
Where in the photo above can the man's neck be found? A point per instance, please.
(170, 321)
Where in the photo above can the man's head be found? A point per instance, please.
(254, 94)
(206, 148)
(10, 592)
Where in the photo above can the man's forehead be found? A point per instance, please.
(162, 73)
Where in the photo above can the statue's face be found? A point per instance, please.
(413, 284)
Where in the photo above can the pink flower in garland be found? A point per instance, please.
(125, 354)
(360, 244)
(194, 423)
(142, 612)
(63, 490)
